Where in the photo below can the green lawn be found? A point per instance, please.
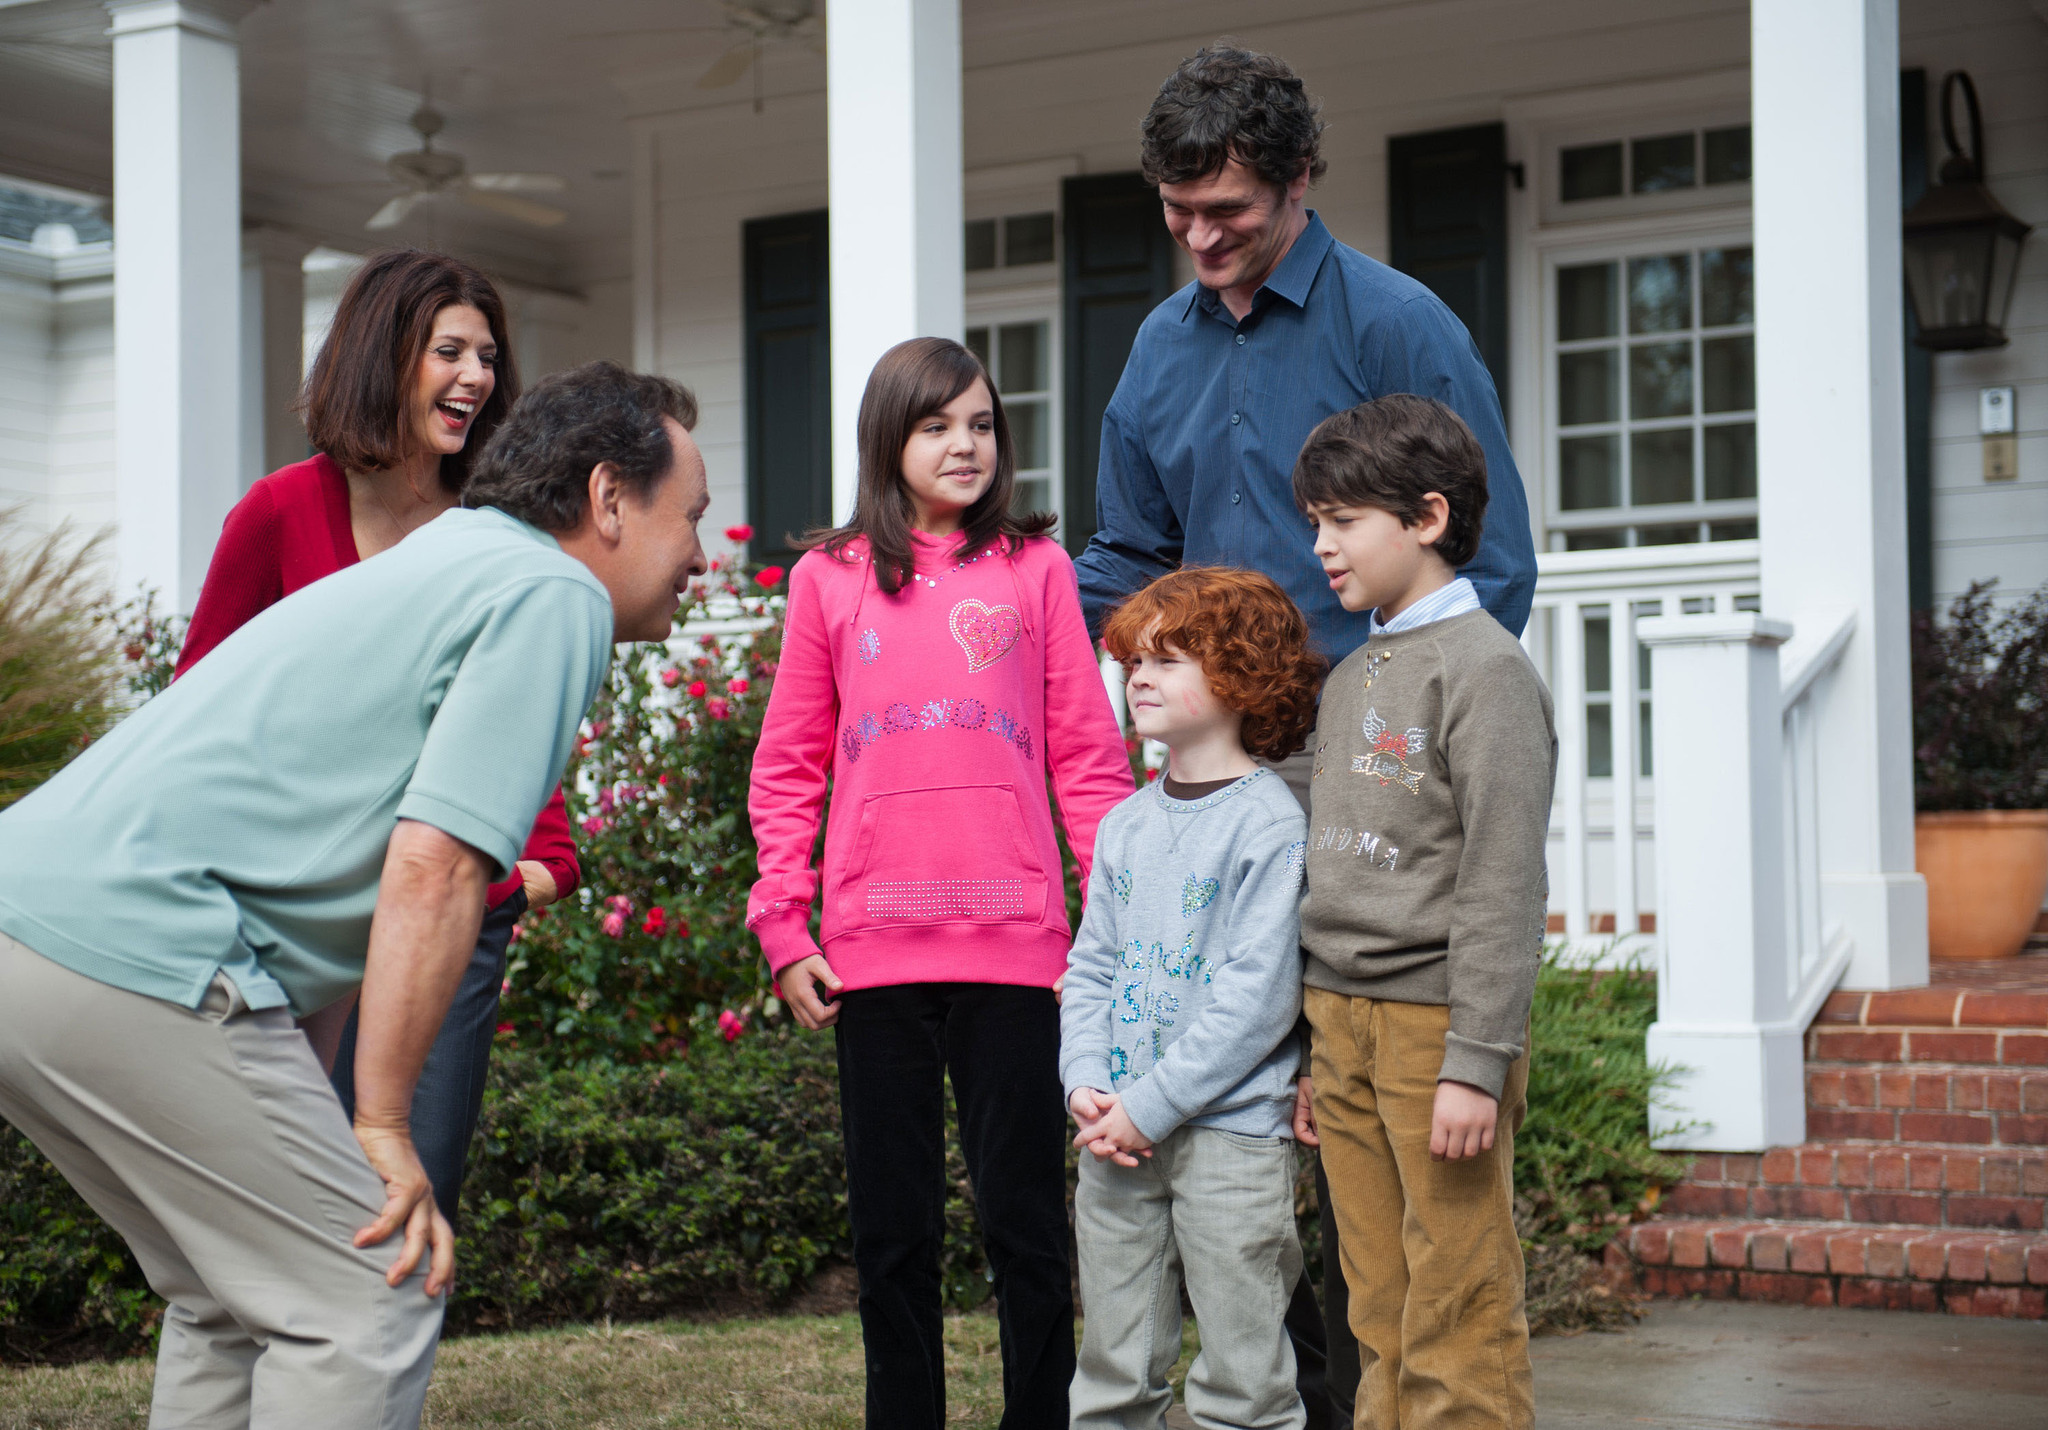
(796, 1371)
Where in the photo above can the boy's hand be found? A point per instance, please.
(1087, 1104)
(1463, 1123)
(798, 988)
(1059, 990)
(1113, 1136)
(1305, 1114)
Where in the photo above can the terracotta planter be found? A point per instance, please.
(1986, 871)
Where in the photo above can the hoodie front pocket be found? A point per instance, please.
(951, 854)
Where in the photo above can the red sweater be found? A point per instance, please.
(291, 529)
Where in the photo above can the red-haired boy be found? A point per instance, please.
(1176, 1032)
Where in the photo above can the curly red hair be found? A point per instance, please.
(1251, 641)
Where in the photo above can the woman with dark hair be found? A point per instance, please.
(414, 376)
(935, 670)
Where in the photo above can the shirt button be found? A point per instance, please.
(1236, 497)
(1235, 418)
(1240, 339)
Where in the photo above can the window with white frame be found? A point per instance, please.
(1017, 347)
(1652, 412)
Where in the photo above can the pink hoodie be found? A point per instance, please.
(935, 713)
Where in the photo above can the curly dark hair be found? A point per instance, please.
(537, 465)
(1251, 642)
(1392, 452)
(1227, 103)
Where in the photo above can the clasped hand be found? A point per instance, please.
(1107, 1131)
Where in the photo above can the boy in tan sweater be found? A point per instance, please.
(1423, 925)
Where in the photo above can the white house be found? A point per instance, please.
(1672, 225)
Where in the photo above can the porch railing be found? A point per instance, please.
(1582, 637)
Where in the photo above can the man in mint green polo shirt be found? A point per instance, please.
(319, 805)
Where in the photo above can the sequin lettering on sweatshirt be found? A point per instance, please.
(858, 735)
(870, 646)
(946, 899)
(1122, 884)
(1197, 894)
(1360, 844)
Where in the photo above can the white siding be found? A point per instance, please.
(1993, 529)
(56, 386)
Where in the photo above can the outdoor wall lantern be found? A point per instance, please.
(1962, 247)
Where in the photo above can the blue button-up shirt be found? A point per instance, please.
(1200, 437)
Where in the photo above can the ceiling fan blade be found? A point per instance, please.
(730, 67)
(394, 212)
(519, 183)
(525, 210)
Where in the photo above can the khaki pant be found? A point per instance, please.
(1429, 1248)
(212, 1143)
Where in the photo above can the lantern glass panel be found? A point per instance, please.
(2005, 267)
(1946, 270)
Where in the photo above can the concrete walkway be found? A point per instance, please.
(1737, 1365)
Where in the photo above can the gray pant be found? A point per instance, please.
(1216, 1208)
(213, 1144)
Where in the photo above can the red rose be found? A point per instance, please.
(656, 921)
(717, 708)
(739, 533)
(697, 689)
(738, 685)
(769, 576)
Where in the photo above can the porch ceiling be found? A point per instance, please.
(328, 87)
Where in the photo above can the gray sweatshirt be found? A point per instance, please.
(1185, 979)
(1428, 813)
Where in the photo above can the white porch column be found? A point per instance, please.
(1831, 441)
(273, 349)
(892, 73)
(1724, 997)
(177, 286)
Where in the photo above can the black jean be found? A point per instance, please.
(1325, 1352)
(449, 1096)
(1001, 1046)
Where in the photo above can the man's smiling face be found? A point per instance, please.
(1234, 224)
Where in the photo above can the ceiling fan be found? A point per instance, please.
(758, 24)
(428, 173)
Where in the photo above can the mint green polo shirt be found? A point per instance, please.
(237, 822)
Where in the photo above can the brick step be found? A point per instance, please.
(1927, 1102)
(1923, 1184)
(1903, 1268)
(1984, 1046)
(1938, 1007)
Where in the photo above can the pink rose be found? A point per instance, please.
(738, 685)
(717, 707)
(731, 1024)
(594, 825)
(614, 924)
(671, 677)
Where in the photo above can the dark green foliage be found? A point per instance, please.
(58, 682)
(1980, 689)
(1583, 1159)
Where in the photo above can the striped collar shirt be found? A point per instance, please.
(1439, 605)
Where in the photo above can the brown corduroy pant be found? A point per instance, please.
(1429, 1248)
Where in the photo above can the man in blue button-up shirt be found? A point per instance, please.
(1282, 327)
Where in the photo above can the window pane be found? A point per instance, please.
(977, 343)
(1585, 302)
(1728, 155)
(1660, 380)
(1599, 741)
(1588, 387)
(1592, 171)
(1732, 531)
(1031, 494)
(981, 244)
(1684, 535)
(1020, 357)
(1597, 647)
(1663, 163)
(1591, 469)
(1027, 238)
(1731, 462)
(1727, 287)
(1660, 466)
(1643, 736)
(1027, 432)
(1592, 540)
(1728, 374)
(1660, 294)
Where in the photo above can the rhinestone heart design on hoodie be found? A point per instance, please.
(986, 633)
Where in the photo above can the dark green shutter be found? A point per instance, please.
(1919, 361)
(789, 380)
(1447, 219)
(1118, 267)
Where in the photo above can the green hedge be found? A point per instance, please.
(715, 1180)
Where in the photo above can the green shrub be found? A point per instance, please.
(58, 680)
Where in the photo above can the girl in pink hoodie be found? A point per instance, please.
(935, 669)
